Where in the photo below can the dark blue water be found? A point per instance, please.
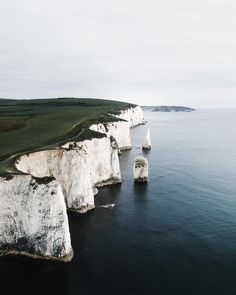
(176, 235)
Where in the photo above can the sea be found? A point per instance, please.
(175, 235)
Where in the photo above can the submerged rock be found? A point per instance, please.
(147, 145)
(140, 169)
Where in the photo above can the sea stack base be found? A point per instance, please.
(146, 148)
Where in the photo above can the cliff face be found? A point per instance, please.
(70, 171)
(33, 218)
(79, 167)
(118, 130)
(34, 213)
(133, 115)
(100, 156)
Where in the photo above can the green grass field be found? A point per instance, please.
(37, 124)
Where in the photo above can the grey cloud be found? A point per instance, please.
(148, 52)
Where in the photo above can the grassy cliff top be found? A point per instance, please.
(28, 125)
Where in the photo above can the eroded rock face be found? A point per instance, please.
(33, 218)
(70, 171)
(101, 160)
(78, 167)
(119, 130)
(140, 169)
(133, 115)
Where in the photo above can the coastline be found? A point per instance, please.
(97, 162)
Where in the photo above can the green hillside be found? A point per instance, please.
(36, 124)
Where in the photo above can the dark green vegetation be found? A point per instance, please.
(36, 124)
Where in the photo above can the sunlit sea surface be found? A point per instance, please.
(176, 235)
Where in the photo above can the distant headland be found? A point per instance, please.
(169, 109)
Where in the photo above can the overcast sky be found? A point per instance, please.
(144, 51)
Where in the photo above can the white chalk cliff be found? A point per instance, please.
(69, 169)
(77, 168)
(33, 218)
(133, 115)
(119, 130)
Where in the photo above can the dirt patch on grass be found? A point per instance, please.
(12, 124)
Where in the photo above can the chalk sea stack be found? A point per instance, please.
(147, 145)
(140, 169)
